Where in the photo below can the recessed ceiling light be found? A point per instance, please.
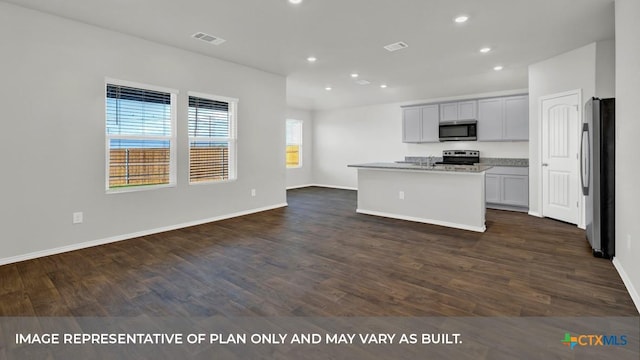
(311, 59)
(485, 50)
(498, 68)
(328, 88)
(396, 46)
(354, 75)
(384, 86)
(460, 19)
(295, 1)
(208, 38)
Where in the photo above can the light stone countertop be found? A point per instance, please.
(515, 162)
(485, 161)
(418, 167)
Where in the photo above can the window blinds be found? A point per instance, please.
(139, 136)
(210, 140)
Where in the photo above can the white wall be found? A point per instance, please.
(627, 129)
(303, 176)
(53, 134)
(570, 71)
(606, 68)
(374, 133)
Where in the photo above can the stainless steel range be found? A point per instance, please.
(460, 158)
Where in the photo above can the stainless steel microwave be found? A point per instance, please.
(463, 130)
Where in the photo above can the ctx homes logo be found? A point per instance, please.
(594, 340)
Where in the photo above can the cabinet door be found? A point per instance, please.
(490, 115)
(411, 124)
(430, 122)
(492, 186)
(467, 110)
(516, 118)
(515, 190)
(449, 112)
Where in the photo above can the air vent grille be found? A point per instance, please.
(396, 46)
(363, 82)
(208, 38)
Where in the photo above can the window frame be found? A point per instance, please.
(300, 144)
(173, 96)
(232, 139)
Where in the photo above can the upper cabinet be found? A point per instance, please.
(516, 118)
(499, 119)
(490, 119)
(462, 110)
(411, 124)
(503, 119)
(420, 124)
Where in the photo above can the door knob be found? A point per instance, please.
(545, 164)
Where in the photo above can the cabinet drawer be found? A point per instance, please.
(509, 170)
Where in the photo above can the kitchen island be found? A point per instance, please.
(442, 195)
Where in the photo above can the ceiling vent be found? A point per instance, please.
(208, 38)
(363, 82)
(396, 46)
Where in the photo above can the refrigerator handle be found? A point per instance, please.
(583, 175)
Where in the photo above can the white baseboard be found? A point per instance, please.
(117, 238)
(299, 186)
(535, 213)
(633, 292)
(507, 208)
(335, 187)
(425, 221)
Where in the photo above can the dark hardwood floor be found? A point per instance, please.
(319, 258)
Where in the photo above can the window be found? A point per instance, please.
(140, 131)
(211, 138)
(294, 143)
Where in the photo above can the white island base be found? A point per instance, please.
(449, 198)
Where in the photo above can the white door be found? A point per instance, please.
(560, 148)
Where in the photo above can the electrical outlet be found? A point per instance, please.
(78, 217)
(401, 195)
(253, 192)
(628, 242)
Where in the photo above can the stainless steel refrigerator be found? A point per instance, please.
(597, 173)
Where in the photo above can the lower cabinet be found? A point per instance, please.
(507, 188)
(492, 182)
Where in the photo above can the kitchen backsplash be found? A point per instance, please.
(483, 160)
(504, 162)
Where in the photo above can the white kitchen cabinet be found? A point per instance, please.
(449, 112)
(503, 119)
(499, 119)
(430, 123)
(492, 194)
(420, 124)
(515, 190)
(516, 118)
(467, 110)
(462, 110)
(507, 188)
(411, 125)
(490, 119)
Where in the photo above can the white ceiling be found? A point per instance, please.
(348, 36)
